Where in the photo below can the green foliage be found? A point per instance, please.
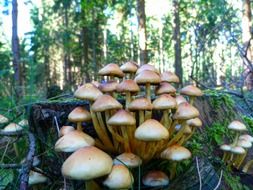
(6, 177)
(248, 121)
(233, 182)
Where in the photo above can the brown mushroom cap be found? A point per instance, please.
(129, 159)
(140, 104)
(36, 178)
(169, 76)
(147, 67)
(66, 129)
(244, 144)
(191, 90)
(95, 83)
(237, 126)
(105, 102)
(196, 122)
(246, 137)
(129, 67)
(147, 76)
(3, 119)
(12, 127)
(121, 118)
(79, 114)
(165, 88)
(186, 111)
(155, 179)
(176, 153)
(180, 99)
(111, 69)
(87, 163)
(119, 178)
(73, 141)
(87, 92)
(128, 86)
(164, 101)
(108, 86)
(151, 130)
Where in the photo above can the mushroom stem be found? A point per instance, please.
(173, 170)
(91, 185)
(225, 155)
(182, 140)
(172, 128)
(128, 99)
(236, 139)
(126, 139)
(148, 115)
(141, 117)
(166, 118)
(247, 166)
(179, 134)
(190, 135)
(148, 91)
(241, 159)
(15, 147)
(107, 117)
(192, 99)
(79, 126)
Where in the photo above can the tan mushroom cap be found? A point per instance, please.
(95, 83)
(140, 104)
(176, 153)
(105, 102)
(244, 144)
(151, 130)
(246, 137)
(237, 150)
(122, 118)
(164, 101)
(180, 99)
(36, 178)
(3, 119)
(169, 76)
(111, 69)
(196, 122)
(147, 67)
(186, 111)
(155, 179)
(165, 88)
(129, 67)
(87, 92)
(79, 114)
(66, 129)
(147, 76)
(191, 90)
(119, 178)
(23, 122)
(225, 147)
(237, 126)
(73, 141)
(12, 127)
(108, 86)
(128, 86)
(87, 163)
(129, 159)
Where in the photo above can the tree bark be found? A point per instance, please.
(177, 40)
(142, 31)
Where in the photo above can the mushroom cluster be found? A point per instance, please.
(152, 120)
(236, 152)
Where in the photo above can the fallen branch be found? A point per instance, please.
(10, 166)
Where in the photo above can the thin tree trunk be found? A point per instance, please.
(94, 52)
(142, 31)
(177, 40)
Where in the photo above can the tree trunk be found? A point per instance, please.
(177, 40)
(15, 45)
(142, 31)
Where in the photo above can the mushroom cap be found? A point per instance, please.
(180, 99)
(73, 141)
(191, 90)
(121, 118)
(186, 111)
(12, 127)
(165, 88)
(225, 147)
(23, 122)
(87, 163)
(169, 76)
(36, 178)
(79, 114)
(66, 129)
(95, 83)
(147, 67)
(3, 119)
(119, 178)
(237, 126)
(128, 86)
(155, 179)
(244, 144)
(151, 130)
(105, 102)
(129, 67)
(147, 76)
(129, 159)
(108, 86)
(195, 122)
(246, 137)
(87, 92)
(164, 101)
(237, 150)
(176, 153)
(111, 69)
(140, 104)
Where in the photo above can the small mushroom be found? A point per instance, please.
(79, 115)
(155, 178)
(226, 151)
(23, 122)
(147, 67)
(109, 88)
(246, 145)
(170, 77)
(36, 178)
(130, 68)
(3, 119)
(238, 127)
(192, 92)
(166, 88)
(129, 159)
(112, 70)
(65, 129)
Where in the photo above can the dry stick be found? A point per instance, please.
(57, 126)
(200, 180)
(219, 182)
(5, 150)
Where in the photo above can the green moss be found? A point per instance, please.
(248, 121)
(233, 182)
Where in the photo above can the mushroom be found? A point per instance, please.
(180, 99)
(79, 115)
(128, 159)
(237, 152)
(175, 153)
(226, 151)
(73, 141)
(147, 67)
(166, 88)
(192, 92)
(36, 178)
(119, 178)
(109, 87)
(238, 127)
(65, 129)
(246, 137)
(246, 145)
(87, 164)
(170, 77)
(87, 91)
(193, 123)
(155, 178)
(23, 122)
(112, 70)
(3, 119)
(130, 68)
(186, 134)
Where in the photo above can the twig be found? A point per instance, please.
(10, 166)
(16, 133)
(5, 150)
(57, 126)
(200, 180)
(221, 173)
